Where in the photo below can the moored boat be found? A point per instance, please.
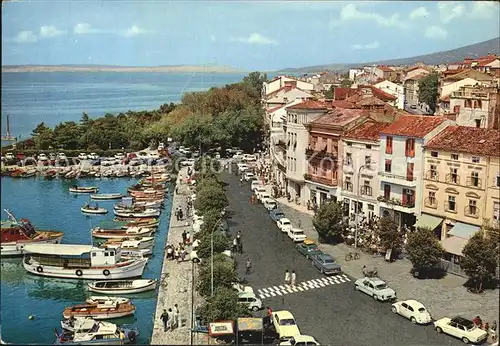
(83, 189)
(80, 262)
(101, 310)
(87, 331)
(156, 204)
(102, 299)
(129, 253)
(122, 233)
(93, 209)
(106, 196)
(140, 214)
(15, 235)
(137, 243)
(122, 286)
(136, 221)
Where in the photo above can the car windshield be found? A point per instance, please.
(287, 322)
(329, 261)
(312, 248)
(286, 223)
(298, 232)
(381, 287)
(421, 310)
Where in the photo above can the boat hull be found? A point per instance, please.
(12, 249)
(156, 213)
(105, 196)
(99, 211)
(119, 235)
(99, 315)
(84, 190)
(132, 270)
(149, 286)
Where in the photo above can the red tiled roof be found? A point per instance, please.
(270, 110)
(413, 125)
(343, 104)
(418, 76)
(385, 68)
(371, 101)
(368, 131)
(486, 61)
(479, 76)
(465, 139)
(343, 93)
(381, 94)
(311, 104)
(445, 98)
(339, 117)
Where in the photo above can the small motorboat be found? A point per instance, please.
(88, 331)
(122, 286)
(140, 205)
(83, 189)
(103, 299)
(93, 209)
(131, 254)
(106, 196)
(100, 311)
(130, 232)
(137, 243)
(136, 221)
(144, 213)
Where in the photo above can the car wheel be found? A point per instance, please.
(465, 340)
(439, 330)
(413, 320)
(375, 298)
(356, 287)
(394, 310)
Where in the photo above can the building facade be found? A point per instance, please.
(477, 106)
(395, 90)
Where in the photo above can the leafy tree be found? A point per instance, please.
(67, 135)
(328, 222)
(210, 198)
(387, 231)
(480, 259)
(43, 136)
(224, 275)
(208, 181)
(329, 93)
(205, 163)
(346, 83)
(424, 249)
(221, 244)
(210, 221)
(428, 90)
(223, 306)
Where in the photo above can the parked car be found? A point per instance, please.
(238, 287)
(461, 328)
(187, 163)
(375, 288)
(296, 234)
(276, 214)
(284, 224)
(92, 156)
(300, 340)
(61, 156)
(83, 156)
(255, 184)
(251, 300)
(259, 190)
(308, 248)
(248, 158)
(134, 162)
(42, 157)
(270, 204)
(120, 156)
(52, 156)
(96, 162)
(248, 176)
(263, 196)
(242, 167)
(412, 310)
(10, 157)
(428, 273)
(285, 325)
(326, 264)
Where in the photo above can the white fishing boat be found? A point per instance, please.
(122, 286)
(133, 244)
(80, 262)
(88, 331)
(130, 232)
(101, 310)
(102, 299)
(93, 209)
(106, 196)
(83, 189)
(157, 204)
(129, 253)
(145, 213)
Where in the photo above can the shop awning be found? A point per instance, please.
(463, 230)
(454, 245)
(428, 221)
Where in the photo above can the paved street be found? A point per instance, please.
(331, 311)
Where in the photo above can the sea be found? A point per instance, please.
(31, 306)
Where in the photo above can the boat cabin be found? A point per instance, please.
(72, 256)
(89, 330)
(14, 231)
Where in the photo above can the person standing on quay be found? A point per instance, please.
(294, 278)
(170, 319)
(164, 318)
(176, 316)
(287, 277)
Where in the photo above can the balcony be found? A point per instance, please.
(468, 94)
(321, 180)
(281, 144)
(366, 190)
(452, 178)
(471, 211)
(405, 180)
(405, 205)
(430, 203)
(409, 152)
(432, 175)
(474, 182)
(348, 186)
(319, 154)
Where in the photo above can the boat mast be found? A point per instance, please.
(11, 216)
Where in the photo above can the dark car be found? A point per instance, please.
(308, 249)
(326, 264)
(276, 214)
(428, 273)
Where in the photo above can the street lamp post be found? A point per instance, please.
(357, 205)
(212, 257)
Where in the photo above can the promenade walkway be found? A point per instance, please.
(177, 282)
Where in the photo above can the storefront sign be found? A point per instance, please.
(221, 328)
(247, 324)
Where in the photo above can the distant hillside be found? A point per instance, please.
(448, 56)
(112, 68)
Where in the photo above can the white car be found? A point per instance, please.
(248, 176)
(83, 156)
(248, 157)
(375, 288)
(194, 255)
(10, 156)
(242, 167)
(300, 340)
(255, 184)
(187, 163)
(108, 161)
(412, 310)
(93, 156)
(263, 196)
(42, 157)
(240, 288)
(296, 234)
(285, 325)
(284, 224)
(461, 328)
(270, 204)
(251, 300)
(61, 156)
(119, 156)
(259, 190)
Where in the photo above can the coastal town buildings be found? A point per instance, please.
(477, 106)
(461, 189)
(395, 90)
(279, 82)
(285, 95)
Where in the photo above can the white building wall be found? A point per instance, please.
(395, 90)
(353, 72)
(448, 88)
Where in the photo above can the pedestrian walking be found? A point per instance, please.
(183, 255)
(164, 318)
(170, 252)
(184, 237)
(294, 278)
(493, 330)
(248, 266)
(181, 214)
(170, 320)
(176, 315)
(287, 277)
(188, 238)
(235, 245)
(238, 237)
(364, 271)
(240, 248)
(176, 253)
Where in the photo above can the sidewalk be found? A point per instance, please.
(444, 298)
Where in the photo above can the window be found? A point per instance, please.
(388, 145)
(478, 122)
(468, 103)
(451, 203)
(433, 172)
(368, 160)
(94, 254)
(472, 207)
(348, 158)
(498, 181)
(408, 198)
(409, 171)
(454, 175)
(314, 140)
(106, 254)
(456, 109)
(434, 154)
(315, 170)
(454, 157)
(388, 166)
(474, 179)
(410, 147)
(387, 191)
(432, 198)
(496, 211)
(478, 104)
(475, 159)
(368, 146)
(349, 144)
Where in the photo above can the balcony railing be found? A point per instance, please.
(407, 203)
(366, 190)
(471, 211)
(432, 175)
(474, 182)
(319, 154)
(452, 178)
(348, 186)
(469, 95)
(321, 180)
(430, 203)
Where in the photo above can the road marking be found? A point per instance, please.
(303, 286)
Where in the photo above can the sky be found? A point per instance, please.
(251, 35)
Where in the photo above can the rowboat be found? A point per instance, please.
(106, 196)
(145, 213)
(140, 205)
(122, 286)
(137, 243)
(100, 311)
(102, 299)
(83, 189)
(93, 209)
(120, 234)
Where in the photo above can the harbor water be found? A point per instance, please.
(49, 205)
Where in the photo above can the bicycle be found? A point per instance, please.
(352, 256)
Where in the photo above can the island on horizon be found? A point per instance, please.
(113, 68)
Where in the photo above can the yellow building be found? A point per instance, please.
(461, 189)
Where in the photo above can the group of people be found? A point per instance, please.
(290, 278)
(237, 245)
(491, 330)
(179, 214)
(176, 253)
(170, 318)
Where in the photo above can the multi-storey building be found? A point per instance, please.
(461, 184)
(280, 82)
(477, 106)
(400, 165)
(361, 183)
(285, 95)
(411, 88)
(395, 90)
(323, 174)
